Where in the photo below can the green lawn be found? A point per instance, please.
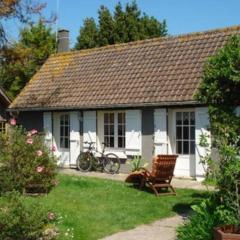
(95, 208)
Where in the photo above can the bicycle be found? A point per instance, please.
(110, 162)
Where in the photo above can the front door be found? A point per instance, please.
(62, 137)
(184, 126)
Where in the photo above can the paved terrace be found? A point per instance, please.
(176, 182)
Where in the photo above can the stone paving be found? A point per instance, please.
(176, 182)
(159, 230)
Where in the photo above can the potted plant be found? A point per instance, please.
(230, 232)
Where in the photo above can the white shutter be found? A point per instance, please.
(47, 126)
(202, 126)
(89, 127)
(160, 131)
(133, 132)
(74, 137)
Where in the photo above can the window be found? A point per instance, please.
(114, 129)
(2, 127)
(185, 132)
(64, 131)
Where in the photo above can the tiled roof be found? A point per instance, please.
(160, 71)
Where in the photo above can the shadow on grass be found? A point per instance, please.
(185, 209)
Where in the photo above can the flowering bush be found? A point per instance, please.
(21, 218)
(25, 161)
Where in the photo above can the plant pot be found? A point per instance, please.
(227, 232)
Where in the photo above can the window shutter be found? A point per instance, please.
(202, 126)
(74, 137)
(47, 126)
(160, 131)
(133, 132)
(89, 127)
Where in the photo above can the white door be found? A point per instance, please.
(184, 142)
(61, 134)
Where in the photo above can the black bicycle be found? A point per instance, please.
(86, 161)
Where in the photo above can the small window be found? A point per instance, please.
(109, 129)
(114, 129)
(64, 131)
(2, 127)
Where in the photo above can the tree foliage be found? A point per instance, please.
(21, 10)
(20, 61)
(124, 25)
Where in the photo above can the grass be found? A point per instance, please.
(94, 208)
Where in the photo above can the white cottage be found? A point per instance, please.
(138, 97)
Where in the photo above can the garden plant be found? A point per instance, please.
(220, 90)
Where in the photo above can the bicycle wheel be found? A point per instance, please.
(84, 162)
(111, 163)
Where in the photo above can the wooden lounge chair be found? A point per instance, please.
(161, 175)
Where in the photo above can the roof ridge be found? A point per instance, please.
(133, 43)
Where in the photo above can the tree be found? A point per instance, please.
(106, 27)
(121, 26)
(20, 61)
(21, 10)
(88, 37)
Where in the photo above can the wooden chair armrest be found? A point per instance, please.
(145, 172)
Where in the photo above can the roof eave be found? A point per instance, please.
(108, 106)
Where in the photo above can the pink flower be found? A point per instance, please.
(39, 153)
(34, 131)
(53, 148)
(13, 121)
(39, 169)
(51, 216)
(30, 141)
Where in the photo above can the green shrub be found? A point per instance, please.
(22, 219)
(25, 161)
(209, 214)
(136, 163)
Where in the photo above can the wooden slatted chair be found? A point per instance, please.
(161, 174)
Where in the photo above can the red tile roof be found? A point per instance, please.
(160, 71)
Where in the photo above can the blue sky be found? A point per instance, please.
(182, 16)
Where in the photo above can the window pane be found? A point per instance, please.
(192, 118)
(186, 118)
(106, 140)
(61, 142)
(120, 117)
(111, 130)
(179, 132)
(106, 132)
(178, 118)
(66, 143)
(120, 130)
(111, 141)
(179, 147)
(66, 131)
(185, 133)
(120, 142)
(192, 147)
(112, 118)
(185, 147)
(61, 131)
(105, 118)
(192, 133)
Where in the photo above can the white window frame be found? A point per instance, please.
(60, 136)
(115, 129)
(175, 130)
